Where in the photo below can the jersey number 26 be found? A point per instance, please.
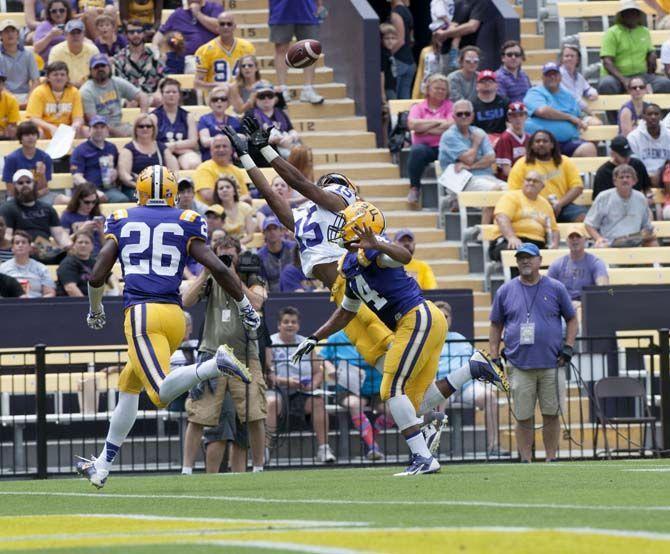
(150, 250)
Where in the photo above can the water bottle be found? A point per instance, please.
(106, 171)
(548, 232)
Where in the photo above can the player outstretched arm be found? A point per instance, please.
(278, 204)
(96, 285)
(296, 180)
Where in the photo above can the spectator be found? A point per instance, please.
(282, 189)
(186, 199)
(574, 82)
(294, 384)
(490, 108)
(554, 109)
(513, 83)
(402, 20)
(83, 214)
(33, 13)
(239, 215)
(212, 124)
(5, 243)
(17, 64)
(535, 350)
(241, 92)
(56, 102)
(107, 39)
(388, 70)
(76, 52)
(51, 31)
(217, 61)
(208, 172)
(215, 217)
(620, 153)
(276, 253)
(147, 12)
(143, 151)
(427, 120)
(172, 53)
(430, 63)
(197, 24)
(562, 183)
(293, 279)
(10, 287)
(513, 142)
(33, 276)
(620, 216)
(138, 64)
(94, 161)
(631, 112)
(469, 16)
(90, 10)
(103, 94)
(9, 111)
(463, 82)
(418, 269)
(74, 271)
(662, 9)
(523, 216)
(176, 126)
(651, 143)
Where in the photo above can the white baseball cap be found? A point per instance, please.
(22, 173)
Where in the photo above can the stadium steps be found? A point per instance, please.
(330, 124)
(352, 155)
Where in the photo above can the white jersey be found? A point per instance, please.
(312, 223)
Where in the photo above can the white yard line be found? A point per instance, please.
(651, 469)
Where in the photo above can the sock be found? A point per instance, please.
(362, 423)
(120, 424)
(431, 398)
(459, 377)
(185, 378)
(383, 422)
(257, 469)
(187, 471)
(417, 444)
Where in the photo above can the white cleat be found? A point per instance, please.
(86, 468)
(420, 466)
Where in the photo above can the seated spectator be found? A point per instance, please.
(51, 31)
(575, 83)
(103, 94)
(620, 216)
(239, 215)
(107, 39)
(430, 63)
(401, 18)
(56, 102)
(215, 217)
(94, 161)
(76, 52)
(74, 271)
(513, 83)
(88, 12)
(651, 143)
(9, 111)
(172, 53)
(427, 120)
(627, 51)
(5, 243)
(554, 109)
(147, 12)
(490, 108)
(17, 64)
(276, 253)
(143, 151)
(631, 112)
(241, 92)
(463, 82)
(186, 197)
(33, 276)
(513, 142)
(620, 153)
(197, 24)
(137, 63)
(208, 172)
(212, 124)
(282, 189)
(562, 182)
(83, 214)
(293, 279)
(418, 269)
(388, 66)
(524, 216)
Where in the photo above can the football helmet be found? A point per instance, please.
(156, 186)
(358, 215)
(336, 179)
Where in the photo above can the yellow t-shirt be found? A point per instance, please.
(208, 172)
(86, 4)
(142, 12)
(558, 180)
(9, 109)
(76, 63)
(422, 274)
(528, 217)
(221, 64)
(665, 4)
(43, 104)
(235, 227)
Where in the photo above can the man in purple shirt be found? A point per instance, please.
(513, 83)
(198, 25)
(529, 309)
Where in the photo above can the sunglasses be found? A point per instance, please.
(135, 31)
(470, 60)
(265, 95)
(245, 65)
(513, 54)
(219, 99)
(89, 202)
(226, 23)
(145, 126)
(57, 10)
(463, 114)
(76, 32)
(637, 87)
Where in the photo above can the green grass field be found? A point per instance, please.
(618, 506)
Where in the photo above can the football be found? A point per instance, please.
(303, 53)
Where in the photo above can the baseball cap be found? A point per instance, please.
(528, 248)
(73, 25)
(7, 23)
(263, 85)
(184, 183)
(99, 59)
(575, 230)
(486, 74)
(549, 67)
(216, 209)
(402, 233)
(620, 145)
(516, 107)
(98, 120)
(22, 173)
(627, 5)
(271, 220)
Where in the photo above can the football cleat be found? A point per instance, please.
(432, 431)
(86, 468)
(420, 466)
(230, 366)
(483, 368)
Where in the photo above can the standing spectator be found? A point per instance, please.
(239, 221)
(427, 120)
(574, 82)
(242, 88)
(490, 108)
(554, 109)
(17, 64)
(107, 39)
(5, 243)
(651, 143)
(562, 183)
(102, 95)
(213, 123)
(513, 142)
(33, 276)
(463, 82)
(430, 63)
(76, 52)
(217, 61)
(276, 253)
(83, 214)
(389, 69)
(9, 111)
(631, 112)
(418, 269)
(513, 83)
(620, 153)
(147, 12)
(208, 172)
(469, 16)
(186, 199)
(51, 31)
(74, 271)
(402, 20)
(197, 24)
(88, 12)
(535, 351)
(56, 102)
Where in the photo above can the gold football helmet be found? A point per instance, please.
(156, 186)
(357, 216)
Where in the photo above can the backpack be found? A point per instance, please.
(400, 136)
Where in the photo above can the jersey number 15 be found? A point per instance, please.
(150, 249)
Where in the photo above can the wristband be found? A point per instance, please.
(247, 162)
(269, 153)
(95, 298)
(242, 304)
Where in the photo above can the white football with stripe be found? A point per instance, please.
(303, 53)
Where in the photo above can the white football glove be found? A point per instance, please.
(96, 321)
(304, 348)
(250, 319)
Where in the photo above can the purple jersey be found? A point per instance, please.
(152, 248)
(388, 291)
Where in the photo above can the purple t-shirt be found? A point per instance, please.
(68, 221)
(43, 30)
(195, 34)
(298, 12)
(576, 275)
(546, 301)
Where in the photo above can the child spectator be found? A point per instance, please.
(429, 64)
(513, 142)
(175, 61)
(442, 15)
(389, 70)
(107, 40)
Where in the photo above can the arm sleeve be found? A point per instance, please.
(608, 48)
(533, 100)
(8, 170)
(13, 115)
(77, 106)
(599, 269)
(54, 221)
(48, 162)
(564, 301)
(128, 91)
(485, 147)
(554, 271)
(35, 106)
(504, 151)
(427, 279)
(517, 174)
(595, 213)
(497, 313)
(8, 211)
(572, 176)
(201, 62)
(506, 205)
(169, 24)
(76, 161)
(195, 227)
(33, 72)
(45, 277)
(67, 272)
(88, 98)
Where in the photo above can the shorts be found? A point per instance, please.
(283, 34)
(227, 429)
(569, 146)
(571, 212)
(530, 385)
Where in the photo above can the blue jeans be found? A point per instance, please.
(404, 79)
(420, 156)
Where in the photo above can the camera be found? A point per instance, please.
(248, 263)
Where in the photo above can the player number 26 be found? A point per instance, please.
(150, 251)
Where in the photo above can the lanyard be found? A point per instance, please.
(525, 299)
